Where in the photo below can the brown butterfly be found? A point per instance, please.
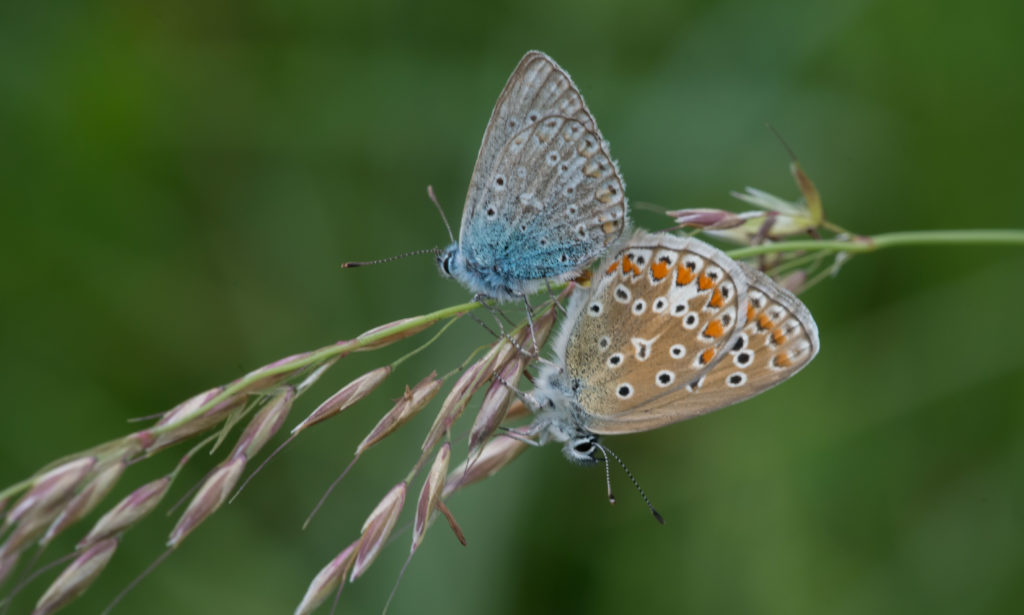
(670, 328)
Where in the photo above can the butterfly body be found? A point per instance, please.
(545, 199)
(671, 328)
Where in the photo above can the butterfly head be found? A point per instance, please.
(448, 260)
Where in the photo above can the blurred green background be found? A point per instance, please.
(181, 181)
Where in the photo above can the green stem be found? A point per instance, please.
(888, 240)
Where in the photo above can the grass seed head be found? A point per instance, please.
(129, 510)
(346, 397)
(77, 577)
(377, 529)
(211, 495)
(328, 580)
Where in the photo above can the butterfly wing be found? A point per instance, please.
(778, 339)
(667, 324)
(545, 198)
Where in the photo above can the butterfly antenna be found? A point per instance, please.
(388, 259)
(778, 136)
(433, 198)
(608, 452)
(608, 476)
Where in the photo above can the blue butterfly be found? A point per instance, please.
(545, 199)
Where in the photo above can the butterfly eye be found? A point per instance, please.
(584, 448)
(581, 449)
(444, 264)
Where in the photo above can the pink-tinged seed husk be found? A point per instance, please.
(51, 488)
(377, 529)
(495, 405)
(348, 395)
(265, 424)
(85, 500)
(214, 492)
(32, 526)
(77, 577)
(404, 409)
(262, 378)
(430, 493)
(186, 410)
(132, 508)
(494, 456)
(328, 580)
(394, 337)
(462, 391)
(191, 420)
(711, 219)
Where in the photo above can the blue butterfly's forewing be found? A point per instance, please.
(545, 199)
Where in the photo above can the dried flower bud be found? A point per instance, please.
(77, 577)
(328, 580)
(430, 494)
(347, 396)
(404, 409)
(711, 219)
(51, 488)
(495, 405)
(494, 456)
(133, 507)
(85, 500)
(263, 378)
(377, 529)
(188, 409)
(193, 416)
(384, 339)
(213, 492)
(265, 424)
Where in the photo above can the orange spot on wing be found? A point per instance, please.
(628, 266)
(683, 276)
(782, 360)
(659, 270)
(707, 355)
(750, 312)
(613, 267)
(714, 329)
(717, 300)
(764, 322)
(778, 337)
(704, 282)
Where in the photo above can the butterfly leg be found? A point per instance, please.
(502, 334)
(529, 320)
(554, 299)
(509, 432)
(533, 337)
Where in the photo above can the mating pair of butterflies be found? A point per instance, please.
(670, 327)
